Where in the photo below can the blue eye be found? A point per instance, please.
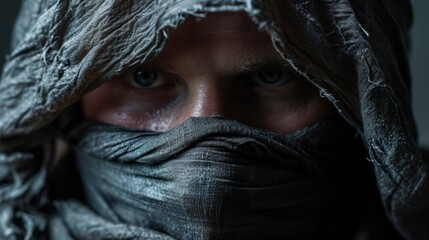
(144, 77)
(269, 78)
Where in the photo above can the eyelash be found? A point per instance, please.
(250, 85)
(285, 88)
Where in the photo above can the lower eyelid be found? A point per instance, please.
(123, 87)
(291, 88)
(168, 91)
(273, 91)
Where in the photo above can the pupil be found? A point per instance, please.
(144, 77)
(271, 76)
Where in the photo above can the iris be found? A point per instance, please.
(271, 77)
(144, 77)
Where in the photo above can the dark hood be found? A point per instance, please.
(355, 52)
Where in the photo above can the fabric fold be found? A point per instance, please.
(215, 178)
(355, 52)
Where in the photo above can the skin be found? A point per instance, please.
(211, 67)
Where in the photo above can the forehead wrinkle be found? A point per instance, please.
(253, 50)
(253, 62)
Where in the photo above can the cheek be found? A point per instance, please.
(311, 112)
(114, 103)
(291, 113)
(108, 106)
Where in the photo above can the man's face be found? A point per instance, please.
(219, 65)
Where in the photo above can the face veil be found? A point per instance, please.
(353, 51)
(216, 178)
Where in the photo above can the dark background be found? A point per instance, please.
(419, 57)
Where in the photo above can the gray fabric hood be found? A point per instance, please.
(354, 51)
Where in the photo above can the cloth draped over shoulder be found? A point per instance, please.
(354, 51)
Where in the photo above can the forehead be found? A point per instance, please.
(219, 42)
(220, 22)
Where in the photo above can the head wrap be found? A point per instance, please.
(353, 51)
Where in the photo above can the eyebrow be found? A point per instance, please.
(256, 63)
(165, 67)
(252, 63)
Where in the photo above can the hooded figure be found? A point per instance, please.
(358, 175)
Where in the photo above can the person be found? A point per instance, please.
(210, 119)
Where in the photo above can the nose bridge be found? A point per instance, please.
(208, 99)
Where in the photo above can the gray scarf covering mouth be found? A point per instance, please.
(210, 178)
(354, 51)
